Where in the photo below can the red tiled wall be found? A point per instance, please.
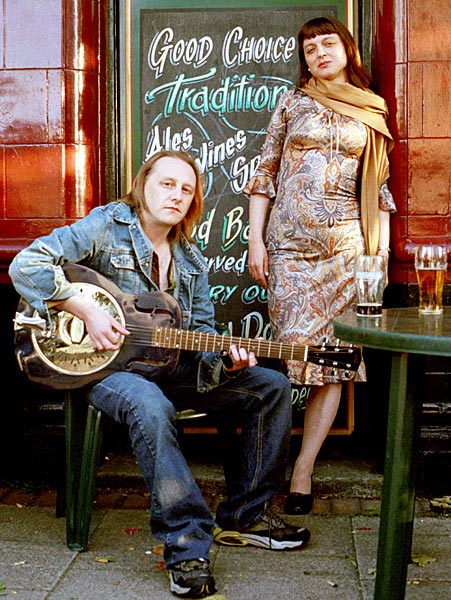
(52, 137)
(52, 141)
(413, 64)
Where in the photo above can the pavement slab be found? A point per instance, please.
(123, 561)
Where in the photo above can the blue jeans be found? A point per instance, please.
(258, 401)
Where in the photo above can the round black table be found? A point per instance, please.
(409, 337)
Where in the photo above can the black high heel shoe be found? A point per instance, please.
(298, 504)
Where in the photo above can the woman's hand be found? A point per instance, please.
(258, 261)
(385, 254)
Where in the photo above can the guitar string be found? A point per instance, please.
(187, 339)
(171, 337)
(213, 339)
(180, 333)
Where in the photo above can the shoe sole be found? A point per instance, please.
(228, 538)
(206, 589)
(264, 542)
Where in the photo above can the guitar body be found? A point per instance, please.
(63, 358)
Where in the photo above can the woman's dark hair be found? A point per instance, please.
(135, 197)
(357, 74)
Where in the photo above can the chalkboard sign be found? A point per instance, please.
(207, 81)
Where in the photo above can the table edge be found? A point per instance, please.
(393, 341)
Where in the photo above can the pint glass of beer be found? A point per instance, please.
(430, 266)
(370, 275)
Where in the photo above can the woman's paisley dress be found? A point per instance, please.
(309, 167)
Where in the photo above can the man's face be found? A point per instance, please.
(169, 191)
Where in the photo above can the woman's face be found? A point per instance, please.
(326, 58)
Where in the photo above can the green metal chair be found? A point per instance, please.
(83, 435)
(83, 440)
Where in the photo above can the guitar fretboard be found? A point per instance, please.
(346, 357)
(166, 337)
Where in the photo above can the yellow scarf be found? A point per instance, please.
(370, 109)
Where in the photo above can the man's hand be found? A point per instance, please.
(104, 330)
(238, 359)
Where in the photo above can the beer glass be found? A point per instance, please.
(370, 276)
(430, 266)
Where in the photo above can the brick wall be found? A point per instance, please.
(52, 141)
(413, 65)
(52, 161)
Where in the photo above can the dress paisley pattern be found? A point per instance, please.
(309, 166)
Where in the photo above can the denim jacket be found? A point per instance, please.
(111, 241)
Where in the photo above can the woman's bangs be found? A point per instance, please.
(311, 30)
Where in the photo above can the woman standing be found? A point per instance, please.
(324, 165)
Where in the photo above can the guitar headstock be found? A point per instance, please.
(339, 357)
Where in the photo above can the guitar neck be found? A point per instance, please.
(166, 337)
